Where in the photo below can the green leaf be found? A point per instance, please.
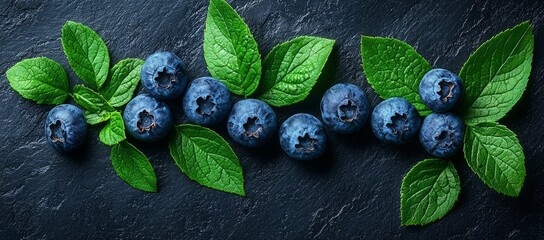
(114, 132)
(230, 50)
(206, 158)
(125, 76)
(90, 100)
(39, 79)
(97, 117)
(394, 69)
(292, 69)
(133, 167)
(496, 156)
(428, 192)
(496, 74)
(86, 52)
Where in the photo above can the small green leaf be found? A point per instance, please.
(91, 100)
(206, 158)
(133, 167)
(496, 74)
(39, 79)
(86, 52)
(496, 156)
(292, 69)
(125, 76)
(394, 69)
(97, 117)
(428, 192)
(114, 132)
(230, 50)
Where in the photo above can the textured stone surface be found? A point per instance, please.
(353, 192)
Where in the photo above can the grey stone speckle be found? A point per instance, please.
(351, 193)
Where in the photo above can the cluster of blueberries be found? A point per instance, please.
(397, 121)
(252, 123)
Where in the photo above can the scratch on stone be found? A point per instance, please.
(337, 215)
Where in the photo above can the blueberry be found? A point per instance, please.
(147, 119)
(440, 90)
(252, 122)
(344, 108)
(441, 134)
(207, 101)
(163, 75)
(302, 137)
(65, 128)
(395, 120)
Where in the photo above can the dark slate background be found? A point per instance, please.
(353, 192)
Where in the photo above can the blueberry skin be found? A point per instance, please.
(65, 128)
(147, 119)
(440, 90)
(442, 134)
(344, 108)
(395, 120)
(163, 75)
(302, 137)
(207, 101)
(252, 122)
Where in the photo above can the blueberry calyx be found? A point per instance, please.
(347, 111)
(146, 121)
(445, 138)
(205, 106)
(58, 134)
(306, 143)
(398, 123)
(252, 129)
(165, 79)
(446, 90)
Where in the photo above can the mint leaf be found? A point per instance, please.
(496, 156)
(97, 117)
(124, 79)
(230, 50)
(39, 79)
(292, 68)
(114, 132)
(133, 167)
(86, 52)
(428, 192)
(206, 158)
(496, 74)
(90, 100)
(394, 69)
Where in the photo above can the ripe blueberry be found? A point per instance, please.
(252, 122)
(344, 108)
(65, 128)
(441, 134)
(207, 101)
(163, 75)
(395, 120)
(147, 119)
(302, 137)
(440, 90)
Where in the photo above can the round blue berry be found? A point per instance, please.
(303, 137)
(395, 120)
(442, 134)
(440, 90)
(163, 75)
(252, 122)
(147, 119)
(65, 128)
(344, 108)
(207, 101)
